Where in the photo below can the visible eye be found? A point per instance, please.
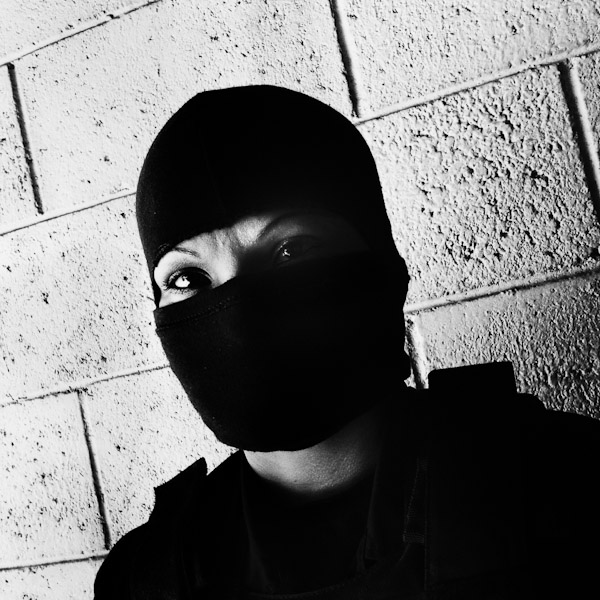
(187, 280)
(298, 247)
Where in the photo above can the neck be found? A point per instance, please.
(330, 466)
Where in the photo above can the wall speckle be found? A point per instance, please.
(23, 24)
(407, 49)
(78, 298)
(144, 431)
(71, 581)
(15, 185)
(485, 186)
(555, 351)
(97, 101)
(589, 69)
(48, 507)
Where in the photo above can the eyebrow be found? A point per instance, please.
(263, 233)
(178, 249)
(289, 215)
(184, 251)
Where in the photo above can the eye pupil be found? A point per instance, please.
(188, 280)
(298, 248)
(183, 282)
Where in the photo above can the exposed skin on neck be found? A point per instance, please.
(328, 467)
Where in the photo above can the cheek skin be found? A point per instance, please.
(251, 246)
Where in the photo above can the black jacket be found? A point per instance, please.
(504, 505)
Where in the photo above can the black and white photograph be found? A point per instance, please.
(299, 299)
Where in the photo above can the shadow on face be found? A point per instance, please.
(254, 244)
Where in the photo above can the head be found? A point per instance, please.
(269, 248)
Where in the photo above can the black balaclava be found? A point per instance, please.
(283, 359)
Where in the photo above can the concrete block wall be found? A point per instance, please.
(484, 119)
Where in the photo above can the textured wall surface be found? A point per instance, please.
(15, 183)
(407, 49)
(484, 119)
(494, 174)
(187, 47)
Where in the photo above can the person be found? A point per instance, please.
(279, 294)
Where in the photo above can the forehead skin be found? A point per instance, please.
(252, 243)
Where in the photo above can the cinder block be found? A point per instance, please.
(486, 186)
(69, 581)
(144, 432)
(408, 49)
(589, 73)
(97, 100)
(76, 300)
(23, 24)
(15, 186)
(551, 334)
(48, 506)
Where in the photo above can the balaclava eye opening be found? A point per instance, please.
(281, 361)
(231, 152)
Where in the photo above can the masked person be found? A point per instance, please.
(279, 295)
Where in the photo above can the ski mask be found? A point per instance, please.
(278, 360)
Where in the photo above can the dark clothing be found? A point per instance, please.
(473, 497)
(321, 541)
(296, 548)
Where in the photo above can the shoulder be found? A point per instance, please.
(481, 432)
(510, 482)
(478, 409)
(144, 563)
(484, 396)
